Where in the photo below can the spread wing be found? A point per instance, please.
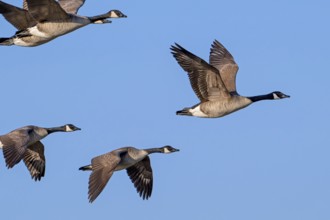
(34, 159)
(204, 78)
(14, 145)
(103, 167)
(71, 6)
(141, 176)
(46, 10)
(19, 18)
(221, 59)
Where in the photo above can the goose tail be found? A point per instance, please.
(184, 111)
(87, 167)
(6, 41)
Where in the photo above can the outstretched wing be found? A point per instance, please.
(204, 78)
(46, 10)
(103, 167)
(141, 176)
(34, 159)
(71, 6)
(19, 18)
(221, 59)
(14, 145)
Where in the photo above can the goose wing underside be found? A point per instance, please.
(103, 167)
(221, 59)
(71, 6)
(34, 159)
(141, 176)
(14, 145)
(46, 10)
(204, 78)
(19, 18)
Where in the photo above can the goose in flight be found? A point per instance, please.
(41, 21)
(214, 83)
(135, 161)
(24, 143)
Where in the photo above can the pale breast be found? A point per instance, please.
(221, 108)
(30, 41)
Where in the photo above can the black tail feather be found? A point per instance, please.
(6, 41)
(184, 111)
(87, 167)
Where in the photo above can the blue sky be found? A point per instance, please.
(121, 85)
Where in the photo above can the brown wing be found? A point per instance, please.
(103, 167)
(19, 18)
(221, 59)
(46, 10)
(204, 78)
(15, 144)
(34, 159)
(71, 6)
(141, 176)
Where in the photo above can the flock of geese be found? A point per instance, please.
(214, 83)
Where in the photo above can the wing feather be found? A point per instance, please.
(204, 78)
(141, 176)
(221, 59)
(34, 159)
(71, 6)
(46, 10)
(19, 18)
(15, 144)
(103, 167)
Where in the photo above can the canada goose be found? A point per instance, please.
(24, 143)
(135, 161)
(41, 21)
(214, 83)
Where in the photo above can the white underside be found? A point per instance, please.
(1, 144)
(35, 31)
(20, 42)
(197, 112)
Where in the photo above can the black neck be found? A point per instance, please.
(55, 129)
(261, 97)
(154, 150)
(99, 17)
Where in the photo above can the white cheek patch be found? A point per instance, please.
(113, 15)
(166, 151)
(276, 96)
(98, 22)
(1, 144)
(68, 129)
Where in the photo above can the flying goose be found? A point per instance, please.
(214, 83)
(24, 143)
(41, 21)
(135, 161)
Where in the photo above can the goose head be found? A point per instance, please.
(70, 128)
(168, 149)
(116, 14)
(279, 95)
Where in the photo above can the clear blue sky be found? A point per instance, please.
(121, 85)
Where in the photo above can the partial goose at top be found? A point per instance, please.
(41, 21)
(24, 143)
(214, 83)
(135, 161)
